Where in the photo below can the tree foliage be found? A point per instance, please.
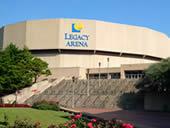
(157, 77)
(39, 67)
(18, 69)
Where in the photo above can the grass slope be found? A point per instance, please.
(45, 117)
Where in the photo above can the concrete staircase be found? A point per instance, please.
(104, 96)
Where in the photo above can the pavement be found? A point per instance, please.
(141, 119)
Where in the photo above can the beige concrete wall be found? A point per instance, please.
(88, 61)
(131, 39)
(132, 67)
(51, 59)
(42, 34)
(80, 73)
(68, 72)
(15, 33)
(75, 65)
(49, 34)
(104, 70)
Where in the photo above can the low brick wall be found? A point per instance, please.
(15, 105)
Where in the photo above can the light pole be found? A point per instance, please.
(99, 73)
(108, 68)
(88, 84)
(73, 79)
(16, 98)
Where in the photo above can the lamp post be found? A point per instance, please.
(108, 68)
(88, 84)
(73, 79)
(99, 73)
(16, 95)
(16, 98)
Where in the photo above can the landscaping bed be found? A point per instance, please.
(32, 118)
(48, 114)
(15, 105)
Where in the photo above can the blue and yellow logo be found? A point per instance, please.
(77, 27)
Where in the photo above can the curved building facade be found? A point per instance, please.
(70, 45)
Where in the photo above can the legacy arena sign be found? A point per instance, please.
(76, 39)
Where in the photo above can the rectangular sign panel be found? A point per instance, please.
(77, 34)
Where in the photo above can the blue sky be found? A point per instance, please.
(154, 14)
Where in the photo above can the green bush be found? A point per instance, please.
(46, 105)
(23, 124)
(130, 100)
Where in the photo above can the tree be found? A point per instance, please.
(18, 68)
(39, 67)
(157, 77)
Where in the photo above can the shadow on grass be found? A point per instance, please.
(66, 117)
(3, 124)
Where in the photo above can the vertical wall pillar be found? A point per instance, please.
(122, 73)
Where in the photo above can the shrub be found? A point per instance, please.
(23, 124)
(46, 105)
(78, 122)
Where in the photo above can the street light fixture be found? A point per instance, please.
(108, 68)
(16, 96)
(88, 84)
(73, 79)
(99, 72)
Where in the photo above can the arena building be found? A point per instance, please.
(82, 48)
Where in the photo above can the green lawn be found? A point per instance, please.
(45, 117)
